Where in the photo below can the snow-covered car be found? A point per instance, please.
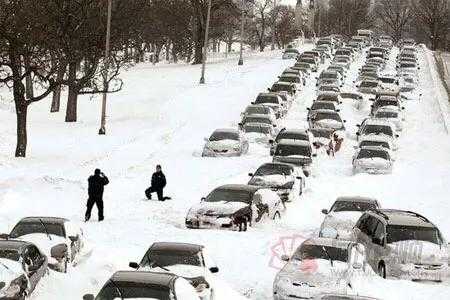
(272, 100)
(286, 88)
(403, 245)
(330, 75)
(355, 96)
(325, 118)
(343, 215)
(335, 296)
(319, 265)
(408, 83)
(259, 110)
(320, 105)
(376, 127)
(298, 153)
(372, 160)
(386, 102)
(145, 285)
(59, 239)
(368, 86)
(290, 53)
(235, 207)
(282, 178)
(311, 61)
(391, 115)
(389, 83)
(190, 261)
(328, 88)
(292, 79)
(225, 142)
(291, 71)
(289, 134)
(258, 128)
(22, 266)
(329, 96)
(376, 141)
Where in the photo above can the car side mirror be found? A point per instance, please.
(298, 177)
(88, 297)
(133, 265)
(338, 110)
(274, 125)
(345, 121)
(240, 124)
(203, 199)
(308, 109)
(285, 257)
(268, 89)
(403, 108)
(397, 135)
(358, 134)
(2, 285)
(214, 270)
(271, 141)
(4, 236)
(325, 211)
(306, 173)
(253, 102)
(250, 174)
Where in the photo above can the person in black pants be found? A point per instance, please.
(158, 184)
(97, 183)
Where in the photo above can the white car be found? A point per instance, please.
(319, 265)
(259, 110)
(272, 100)
(190, 261)
(408, 83)
(285, 179)
(372, 160)
(343, 215)
(390, 115)
(376, 141)
(59, 239)
(235, 207)
(372, 127)
(258, 128)
(225, 142)
(368, 86)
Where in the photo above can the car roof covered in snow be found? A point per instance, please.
(404, 218)
(240, 187)
(328, 242)
(376, 121)
(299, 143)
(356, 199)
(150, 278)
(296, 131)
(15, 245)
(52, 220)
(176, 247)
(273, 164)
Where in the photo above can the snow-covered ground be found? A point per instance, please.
(161, 117)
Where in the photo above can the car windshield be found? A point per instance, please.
(133, 290)
(288, 150)
(25, 228)
(374, 144)
(326, 116)
(286, 135)
(290, 79)
(291, 51)
(266, 170)
(373, 153)
(328, 97)
(397, 233)
(322, 105)
(352, 206)
(308, 60)
(386, 114)
(258, 128)
(302, 65)
(254, 110)
(369, 84)
(381, 103)
(387, 80)
(328, 75)
(170, 258)
(224, 135)
(281, 88)
(407, 65)
(327, 88)
(306, 252)
(251, 119)
(378, 129)
(267, 99)
(9, 254)
(229, 195)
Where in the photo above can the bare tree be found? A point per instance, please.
(261, 21)
(395, 15)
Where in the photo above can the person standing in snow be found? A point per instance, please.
(97, 183)
(158, 184)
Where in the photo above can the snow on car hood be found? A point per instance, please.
(221, 208)
(42, 241)
(317, 272)
(223, 144)
(328, 123)
(9, 270)
(419, 252)
(376, 162)
(342, 220)
(275, 180)
(186, 271)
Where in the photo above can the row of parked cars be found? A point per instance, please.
(360, 239)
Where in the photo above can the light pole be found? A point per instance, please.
(241, 59)
(205, 46)
(274, 23)
(102, 130)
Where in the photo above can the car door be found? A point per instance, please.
(379, 242)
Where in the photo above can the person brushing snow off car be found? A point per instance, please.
(158, 184)
(97, 183)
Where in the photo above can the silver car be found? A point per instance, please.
(319, 265)
(372, 160)
(225, 142)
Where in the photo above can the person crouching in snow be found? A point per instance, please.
(338, 139)
(158, 184)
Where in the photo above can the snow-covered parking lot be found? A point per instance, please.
(162, 117)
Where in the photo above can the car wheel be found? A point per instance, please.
(382, 270)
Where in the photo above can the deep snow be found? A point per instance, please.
(161, 117)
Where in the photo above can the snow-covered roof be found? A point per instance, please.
(356, 199)
(151, 278)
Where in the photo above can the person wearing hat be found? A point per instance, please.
(158, 184)
(97, 183)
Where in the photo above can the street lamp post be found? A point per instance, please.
(205, 46)
(241, 59)
(102, 130)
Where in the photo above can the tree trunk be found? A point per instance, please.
(21, 114)
(72, 99)
(28, 81)
(56, 100)
(167, 50)
(198, 43)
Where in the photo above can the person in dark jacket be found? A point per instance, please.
(96, 187)
(158, 184)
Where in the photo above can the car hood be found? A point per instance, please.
(342, 220)
(42, 241)
(9, 270)
(221, 208)
(376, 162)
(294, 159)
(186, 271)
(419, 252)
(270, 180)
(328, 123)
(223, 144)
